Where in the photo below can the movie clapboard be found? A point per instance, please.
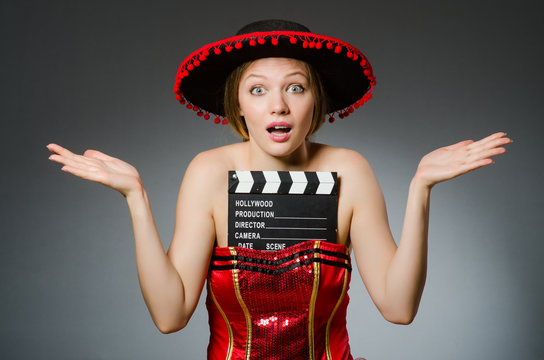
(272, 210)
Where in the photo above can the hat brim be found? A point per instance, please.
(345, 72)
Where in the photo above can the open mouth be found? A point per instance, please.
(278, 128)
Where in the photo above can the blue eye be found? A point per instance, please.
(296, 88)
(257, 90)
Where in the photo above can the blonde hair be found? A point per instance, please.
(232, 105)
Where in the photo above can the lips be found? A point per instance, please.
(279, 131)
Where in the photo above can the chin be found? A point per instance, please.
(284, 149)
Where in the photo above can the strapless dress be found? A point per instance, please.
(274, 305)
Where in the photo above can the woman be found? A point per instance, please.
(275, 81)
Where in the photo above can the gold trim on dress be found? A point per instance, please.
(229, 329)
(328, 328)
(311, 311)
(236, 282)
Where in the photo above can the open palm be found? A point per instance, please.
(96, 166)
(451, 161)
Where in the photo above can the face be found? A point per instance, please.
(277, 105)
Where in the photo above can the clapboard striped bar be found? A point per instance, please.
(283, 182)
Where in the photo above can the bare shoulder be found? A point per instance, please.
(357, 180)
(347, 162)
(211, 165)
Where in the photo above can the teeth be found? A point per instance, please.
(279, 129)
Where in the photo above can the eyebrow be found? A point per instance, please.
(297, 72)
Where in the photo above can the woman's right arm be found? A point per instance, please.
(171, 284)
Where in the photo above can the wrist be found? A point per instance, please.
(420, 185)
(136, 193)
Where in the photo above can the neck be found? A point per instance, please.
(298, 160)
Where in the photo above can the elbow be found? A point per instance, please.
(400, 320)
(168, 330)
(169, 327)
(405, 317)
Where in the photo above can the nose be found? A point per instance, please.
(278, 105)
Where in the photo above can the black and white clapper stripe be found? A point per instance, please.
(283, 182)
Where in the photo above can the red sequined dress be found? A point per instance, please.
(286, 304)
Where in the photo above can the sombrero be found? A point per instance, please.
(345, 72)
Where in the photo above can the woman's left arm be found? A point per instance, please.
(395, 276)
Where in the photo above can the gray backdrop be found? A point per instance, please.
(99, 74)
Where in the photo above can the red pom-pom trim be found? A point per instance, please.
(225, 122)
(312, 41)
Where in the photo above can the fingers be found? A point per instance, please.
(66, 157)
(492, 152)
(69, 161)
(78, 165)
(69, 158)
(57, 149)
(482, 158)
(478, 164)
(61, 155)
(86, 173)
(95, 154)
(493, 140)
(75, 171)
(460, 144)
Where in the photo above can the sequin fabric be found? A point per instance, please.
(287, 304)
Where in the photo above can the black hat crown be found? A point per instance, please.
(272, 25)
